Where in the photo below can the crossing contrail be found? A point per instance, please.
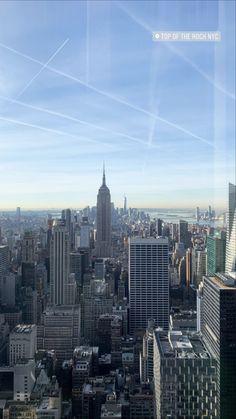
(110, 96)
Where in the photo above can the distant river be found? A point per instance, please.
(173, 216)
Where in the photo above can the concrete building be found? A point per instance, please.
(28, 260)
(148, 282)
(141, 402)
(71, 290)
(84, 360)
(28, 247)
(176, 359)
(103, 243)
(59, 263)
(49, 405)
(4, 260)
(13, 316)
(218, 328)
(76, 267)
(99, 268)
(22, 343)
(111, 408)
(85, 229)
(199, 265)
(183, 234)
(9, 289)
(24, 379)
(188, 267)
(96, 300)
(19, 410)
(4, 266)
(66, 216)
(60, 331)
(29, 305)
(146, 356)
(4, 339)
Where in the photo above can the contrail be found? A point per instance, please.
(51, 130)
(87, 41)
(42, 68)
(176, 51)
(71, 118)
(110, 96)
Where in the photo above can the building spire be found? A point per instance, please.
(104, 175)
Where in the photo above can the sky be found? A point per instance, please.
(83, 82)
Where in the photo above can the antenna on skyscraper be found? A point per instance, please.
(104, 174)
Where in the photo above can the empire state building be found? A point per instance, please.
(103, 244)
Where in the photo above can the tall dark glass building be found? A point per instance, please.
(216, 253)
(219, 335)
(230, 264)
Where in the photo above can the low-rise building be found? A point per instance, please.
(23, 342)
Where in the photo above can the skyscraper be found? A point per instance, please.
(18, 215)
(230, 264)
(159, 227)
(218, 328)
(125, 204)
(59, 263)
(103, 244)
(216, 253)
(148, 282)
(184, 236)
(199, 265)
(28, 260)
(197, 214)
(209, 212)
(85, 229)
(66, 216)
(60, 330)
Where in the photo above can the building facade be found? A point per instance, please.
(60, 331)
(184, 377)
(148, 282)
(103, 243)
(216, 253)
(59, 263)
(230, 264)
(22, 342)
(218, 328)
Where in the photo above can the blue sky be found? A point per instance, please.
(83, 82)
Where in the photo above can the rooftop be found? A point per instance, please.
(24, 328)
(63, 310)
(224, 280)
(108, 411)
(175, 344)
(46, 405)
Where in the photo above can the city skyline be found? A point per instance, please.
(83, 82)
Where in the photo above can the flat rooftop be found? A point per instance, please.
(146, 241)
(24, 328)
(175, 344)
(224, 280)
(84, 353)
(45, 405)
(63, 310)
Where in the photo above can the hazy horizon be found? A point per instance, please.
(79, 208)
